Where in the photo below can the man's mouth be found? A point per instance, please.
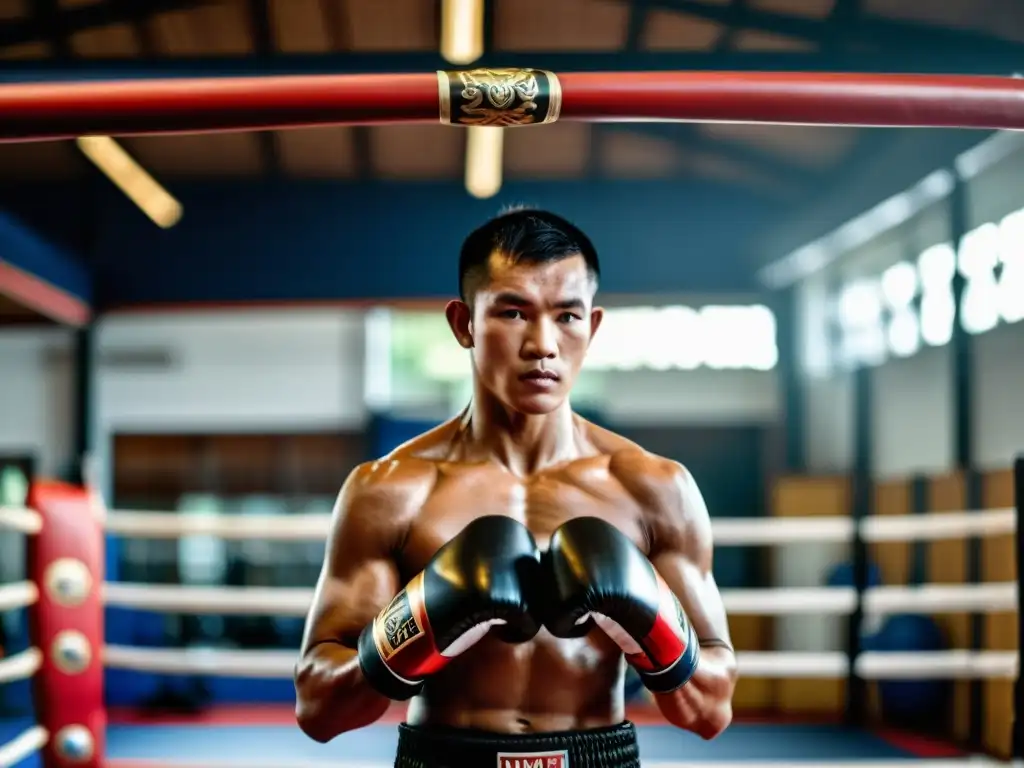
(540, 376)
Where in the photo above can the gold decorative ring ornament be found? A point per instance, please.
(503, 98)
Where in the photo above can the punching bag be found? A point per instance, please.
(921, 702)
(841, 575)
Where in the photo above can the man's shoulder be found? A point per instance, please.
(634, 465)
(398, 482)
(408, 472)
(656, 482)
(653, 479)
(671, 506)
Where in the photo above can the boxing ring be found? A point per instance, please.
(65, 526)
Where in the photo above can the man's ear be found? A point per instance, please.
(596, 316)
(460, 320)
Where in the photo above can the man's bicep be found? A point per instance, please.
(343, 605)
(698, 594)
(684, 556)
(359, 574)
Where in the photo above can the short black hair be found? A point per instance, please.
(523, 234)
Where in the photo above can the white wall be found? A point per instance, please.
(700, 397)
(262, 370)
(828, 415)
(233, 370)
(912, 413)
(999, 395)
(37, 396)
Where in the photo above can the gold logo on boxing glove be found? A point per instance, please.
(399, 625)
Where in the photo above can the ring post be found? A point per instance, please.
(861, 504)
(66, 560)
(1018, 688)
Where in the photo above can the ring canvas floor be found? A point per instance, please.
(269, 735)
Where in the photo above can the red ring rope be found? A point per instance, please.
(34, 111)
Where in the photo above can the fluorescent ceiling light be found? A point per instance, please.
(132, 179)
(462, 30)
(484, 158)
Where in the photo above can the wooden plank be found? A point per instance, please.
(999, 563)
(947, 564)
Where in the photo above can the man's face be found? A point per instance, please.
(531, 326)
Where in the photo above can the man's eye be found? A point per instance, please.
(569, 317)
(512, 314)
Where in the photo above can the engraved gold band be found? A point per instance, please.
(504, 98)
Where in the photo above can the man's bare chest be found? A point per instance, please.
(542, 503)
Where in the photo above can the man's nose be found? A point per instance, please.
(541, 342)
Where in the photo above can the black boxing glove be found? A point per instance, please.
(598, 573)
(478, 580)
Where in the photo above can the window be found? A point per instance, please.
(976, 261)
(899, 290)
(899, 286)
(904, 333)
(860, 315)
(860, 304)
(914, 303)
(739, 337)
(684, 338)
(656, 338)
(936, 267)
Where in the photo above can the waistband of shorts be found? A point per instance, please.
(433, 747)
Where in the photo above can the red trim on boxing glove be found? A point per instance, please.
(671, 652)
(670, 636)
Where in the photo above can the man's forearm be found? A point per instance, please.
(704, 704)
(332, 696)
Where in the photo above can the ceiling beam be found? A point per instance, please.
(338, 25)
(637, 23)
(844, 14)
(80, 18)
(737, 11)
(143, 32)
(47, 16)
(876, 31)
(263, 43)
(984, 63)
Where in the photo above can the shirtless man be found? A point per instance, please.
(501, 570)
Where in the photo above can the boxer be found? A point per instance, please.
(499, 571)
